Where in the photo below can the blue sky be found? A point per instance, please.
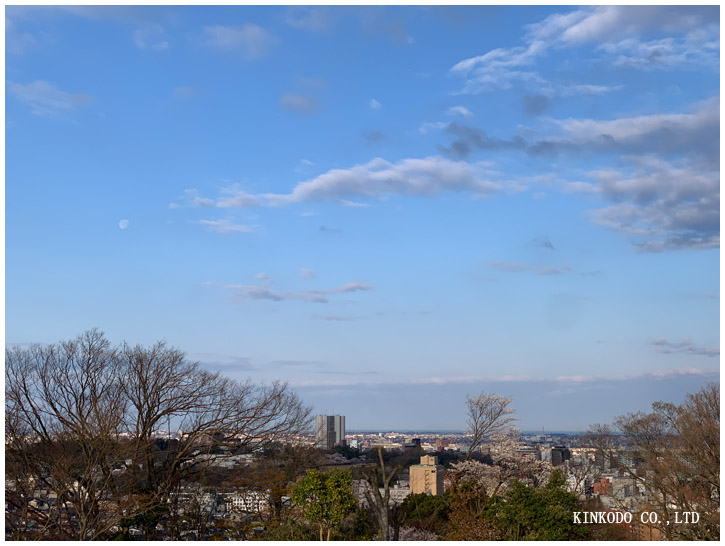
(388, 207)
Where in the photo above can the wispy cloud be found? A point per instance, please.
(518, 267)
(336, 318)
(330, 230)
(544, 242)
(553, 270)
(221, 361)
(300, 104)
(427, 126)
(46, 99)
(615, 28)
(307, 273)
(226, 227)
(185, 92)
(701, 47)
(232, 196)
(374, 104)
(607, 23)
(151, 36)
(686, 346)
(561, 380)
(253, 292)
(16, 41)
(256, 292)
(303, 165)
(382, 20)
(249, 40)
(459, 111)
(510, 267)
(373, 136)
(344, 289)
(315, 19)
(500, 68)
(353, 204)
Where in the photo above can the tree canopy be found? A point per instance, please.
(326, 498)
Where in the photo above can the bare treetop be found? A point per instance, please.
(487, 414)
(82, 417)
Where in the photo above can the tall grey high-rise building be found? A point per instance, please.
(330, 431)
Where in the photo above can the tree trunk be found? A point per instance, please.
(395, 513)
(384, 525)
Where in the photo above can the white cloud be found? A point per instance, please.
(226, 227)
(44, 98)
(150, 36)
(616, 28)
(233, 196)
(378, 178)
(695, 133)
(303, 165)
(500, 68)
(353, 204)
(634, 130)
(585, 89)
(250, 40)
(307, 273)
(510, 378)
(607, 23)
(17, 42)
(667, 206)
(431, 125)
(459, 111)
(375, 105)
(694, 48)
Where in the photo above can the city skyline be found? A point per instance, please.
(388, 207)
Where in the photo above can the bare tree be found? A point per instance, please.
(677, 449)
(583, 470)
(82, 420)
(487, 414)
(376, 475)
(211, 411)
(64, 405)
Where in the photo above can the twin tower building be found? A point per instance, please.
(330, 431)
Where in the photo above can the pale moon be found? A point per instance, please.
(123, 224)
